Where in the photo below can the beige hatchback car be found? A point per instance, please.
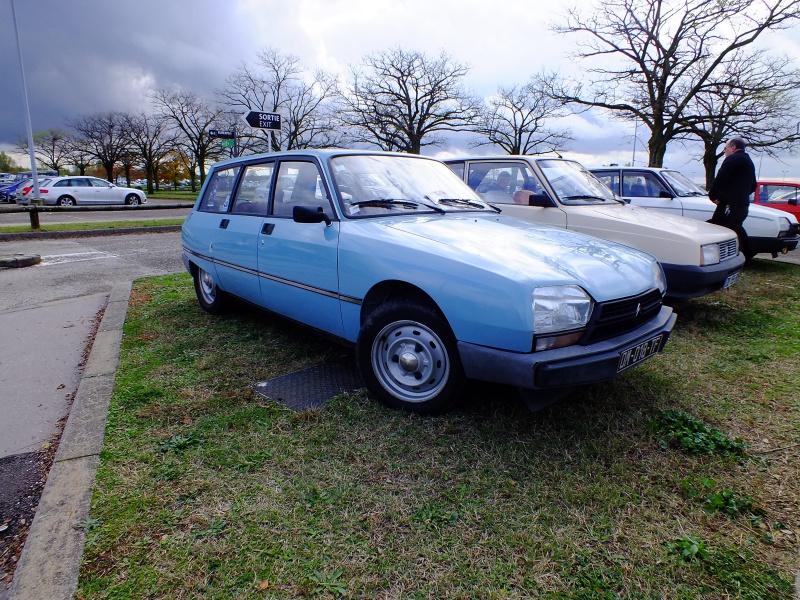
(698, 258)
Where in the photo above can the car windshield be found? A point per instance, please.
(682, 185)
(370, 185)
(574, 184)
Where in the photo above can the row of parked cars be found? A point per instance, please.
(525, 271)
(71, 191)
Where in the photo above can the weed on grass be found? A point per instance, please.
(207, 490)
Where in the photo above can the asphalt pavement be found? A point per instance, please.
(50, 314)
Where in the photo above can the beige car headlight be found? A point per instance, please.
(709, 254)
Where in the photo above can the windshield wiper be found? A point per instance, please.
(463, 202)
(390, 202)
(584, 197)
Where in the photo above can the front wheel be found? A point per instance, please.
(408, 358)
(132, 200)
(211, 298)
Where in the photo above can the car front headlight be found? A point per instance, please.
(783, 225)
(659, 277)
(709, 254)
(559, 309)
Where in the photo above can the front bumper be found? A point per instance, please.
(563, 367)
(687, 281)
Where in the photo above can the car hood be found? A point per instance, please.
(527, 251)
(766, 212)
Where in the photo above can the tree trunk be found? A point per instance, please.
(657, 147)
(710, 164)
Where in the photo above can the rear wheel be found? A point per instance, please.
(66, 201)
(211, 298)
(132, 200)
(408, 358)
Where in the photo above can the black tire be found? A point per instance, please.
(211, 298)
(427, 377)
(132, 200)
(66, 201)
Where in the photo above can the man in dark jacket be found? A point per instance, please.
(735, 181)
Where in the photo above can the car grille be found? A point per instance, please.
(616, 317)
(728, 249)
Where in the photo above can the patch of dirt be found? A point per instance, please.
(22, 479)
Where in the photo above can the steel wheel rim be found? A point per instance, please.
(410, 361)
(207, 287)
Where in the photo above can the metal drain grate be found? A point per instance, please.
(311, 387)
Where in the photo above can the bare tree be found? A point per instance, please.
(655, 56)
(756, 98)
(80, 154)
(149, 135)
(104, 138)
(192, 116)
(516, 118)
(279, 84)
(50, 147)
(400, 100)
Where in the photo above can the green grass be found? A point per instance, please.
(181, 195)
(96, 225)
(207, 490)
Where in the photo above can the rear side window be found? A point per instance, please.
(611, 181)
(252, 195)
(217, 197)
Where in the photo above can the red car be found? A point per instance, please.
(779, 194)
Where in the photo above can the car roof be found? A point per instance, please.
(322, 154)
(498, 157)
(789, 180)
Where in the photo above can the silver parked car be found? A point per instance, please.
(69, 191)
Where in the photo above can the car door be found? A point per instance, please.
(298, 262)
(236, 238)
(82, 190)
(200, 240)
(646, 189)
(104, 192)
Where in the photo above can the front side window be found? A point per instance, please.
(252, 196)
(217, 197)
(642, 185)
(299, 183)
(499, 182)
(98, 183)
(778, 194)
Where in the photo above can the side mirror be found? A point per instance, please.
(303, 214)
(665, 194)
(533, 199)
(793, 201)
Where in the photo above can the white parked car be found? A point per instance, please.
(69, 191)
(698, 258)
(768, 230)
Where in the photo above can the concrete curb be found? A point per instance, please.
(50, 562)
(41, 235)
(15, 261)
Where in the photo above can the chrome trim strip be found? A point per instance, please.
(297, 284)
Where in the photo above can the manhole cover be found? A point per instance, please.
(311, 387)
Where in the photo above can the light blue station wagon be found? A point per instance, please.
(394, 254)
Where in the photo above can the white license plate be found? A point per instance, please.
(639, 353)
(731, 280)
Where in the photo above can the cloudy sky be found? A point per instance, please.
(90, 56)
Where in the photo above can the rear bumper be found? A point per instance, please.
(563, 367)
(759, 245)
(686, 281)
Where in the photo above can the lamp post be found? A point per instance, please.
(34, 173)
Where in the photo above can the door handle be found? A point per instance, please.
(267, 228)
(224, 223)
